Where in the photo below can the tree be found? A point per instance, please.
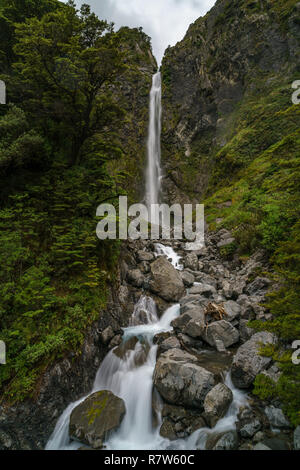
(68, 61)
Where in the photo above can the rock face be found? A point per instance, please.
(191, 323)
(98, 415)
(216, 403)
(248, 363)
(216, 66)
(166, 281)
(180, 381)
(178, 422)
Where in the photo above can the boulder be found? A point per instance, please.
(167, 344)
(248, 363)
(178, 422)
(180, 381)
(166, 281)
(97, 416)
(191, 323)
(216, 403)
(227, 440)
(145, 256)
(135, 277)
(188, 279)
(203, 289)
(276, 417)
(232, 310)
(220, 331)
(191, 261)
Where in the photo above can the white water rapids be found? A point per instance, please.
(130, 377)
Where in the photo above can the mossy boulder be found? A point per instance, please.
(96, 417)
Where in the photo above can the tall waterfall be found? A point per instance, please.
(154, 174)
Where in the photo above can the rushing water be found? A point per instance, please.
(154, 174)
(172, 256)
(129, 376)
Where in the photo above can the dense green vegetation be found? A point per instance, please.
(59, 135)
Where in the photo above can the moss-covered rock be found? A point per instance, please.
(97, 416)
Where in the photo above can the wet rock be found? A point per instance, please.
(216, 403)
(116, 341)
(170, 343)
(122, 350)
(107, 335)
(91, 421)
(248, 363)
(223, 331)
(178, 422)
(276, 417)
(187, 278)
(135, 277)
(222, 441)
(297, 438)
(166, 281)
(189, 342)
(180, 380)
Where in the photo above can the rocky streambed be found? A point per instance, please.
(181, 375)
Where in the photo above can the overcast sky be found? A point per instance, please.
(165, 21)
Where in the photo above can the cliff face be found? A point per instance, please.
(233, 59)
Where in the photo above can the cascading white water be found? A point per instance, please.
(154, 174)
(172, 256)
(130, 377)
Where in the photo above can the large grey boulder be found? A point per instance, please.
(276, 417)
(166, 281)
(180, 380)
(220, 331)
(216, 403)
(248, 363)
(97, 416)
(192, 322)
(232, 310)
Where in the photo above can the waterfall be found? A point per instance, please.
(153, 173)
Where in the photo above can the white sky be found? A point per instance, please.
(165, 21)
